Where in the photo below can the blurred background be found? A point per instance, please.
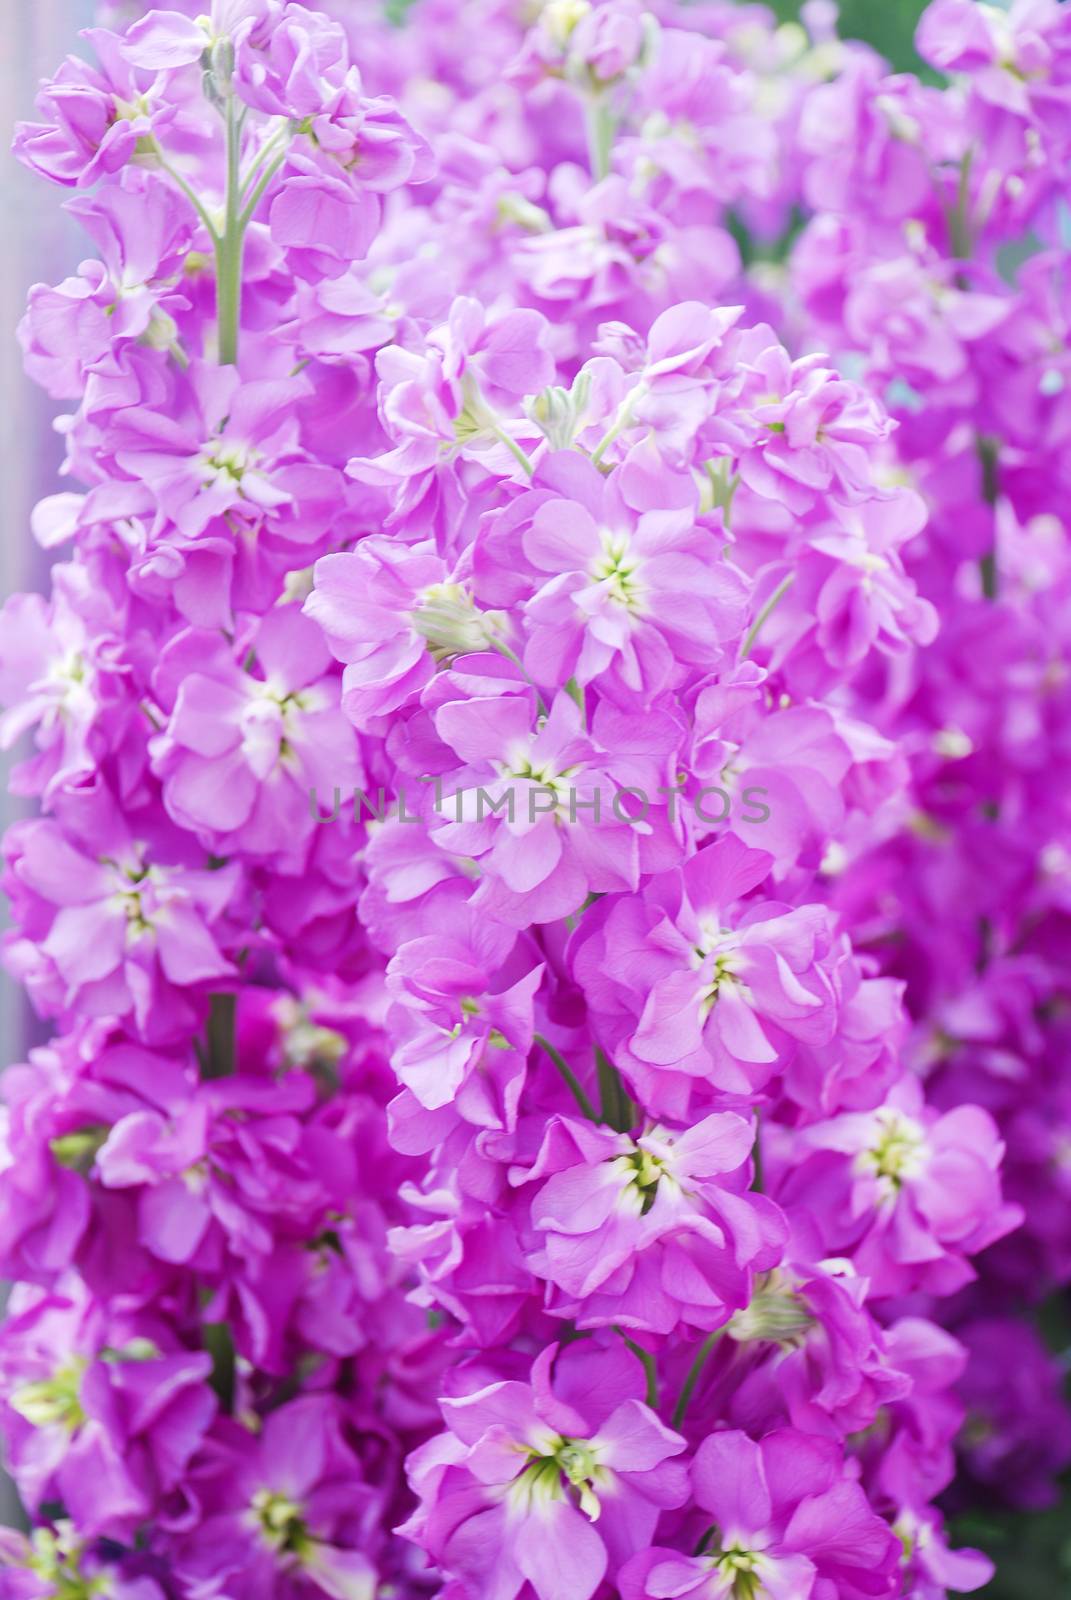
(39, 242)
(889, 25)
(1033, 1553)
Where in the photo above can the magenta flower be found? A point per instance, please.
(788, 1521)
(115, 932)
(288, 58)
(96, 117)
(391, 612)
(817, 433)
(1017, 1430)
(723, 992)
(552, 796)
(98, 1415)
(521, 803)
(225, 450)
(626, 588)
(282, 1516)
(830, 1368)
(142, 230)
(537, 1487)
(909, 1193)
(650, 1233)
(244, 750)
(460, 1010)
(447, 398)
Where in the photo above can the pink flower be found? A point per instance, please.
(142, 230)
(788, 1520)
(96, 116)
(628, 592)
(98, 1412)
(463, 1016)
(549, 1483)
(909, 1193)
(537, 799)
(247, 748)
(830, 1370)
(226, 448)
(392, 612)
(653, 1232)
(109, 928)
(686, 984)
(447, 397)
(817, 433)
(281, 1511)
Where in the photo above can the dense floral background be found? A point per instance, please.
(546, 858)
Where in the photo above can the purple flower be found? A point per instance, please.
(651, 1233)
(98, 1415)
(787, 1520)
(97, 118)
(246, 747)
(626, 589)
(538, 1484)
(685, 987)
(909, 1193)
(108, 929)
(281, 1512)
(391, 612)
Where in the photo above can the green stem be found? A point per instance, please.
(575, 691)
(514, 448)
(650, 1366)
(756, 1156)
(622, 418)
(221, 1050)
(601, 125)
(959, 225)
(258, 193)
(195, 200)
(723, 486)
(229, 248)
(503, 649)
(569, 1077)
(218, 1341)
(695, 1372)
(988, 455)
(267, 151)
(618, 1111)
(772, 603)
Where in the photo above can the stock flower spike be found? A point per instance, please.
(550, 881)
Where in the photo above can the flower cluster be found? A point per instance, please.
(552, 1187)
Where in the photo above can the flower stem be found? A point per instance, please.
(771, 605)
(601, 125)
(229, 248)
(988, 455)
(221, 1051)
(514, 448)
(569, 1077)
(695, 1372)
(618, 1112)
(621, 420)
(191, 195)
(650, 1366)
(255, 198)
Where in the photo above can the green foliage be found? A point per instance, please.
(1032, 1552)
(888, 25)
